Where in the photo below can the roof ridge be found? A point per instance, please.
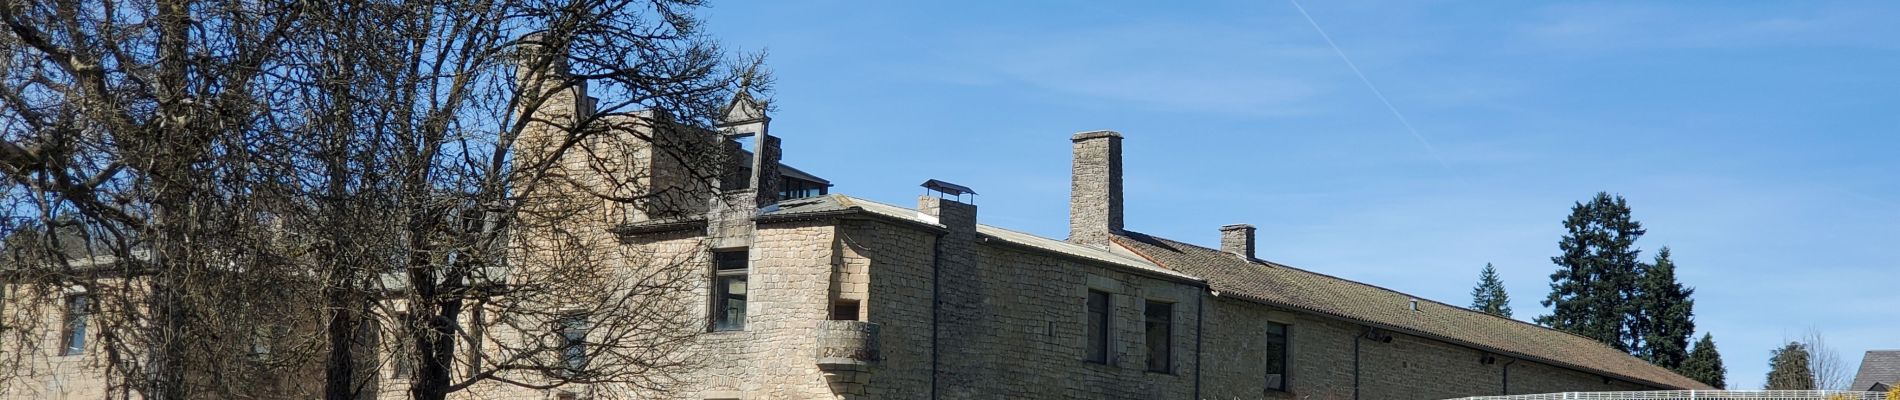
(1628, 358)
(1073, 250)
(1416, 297)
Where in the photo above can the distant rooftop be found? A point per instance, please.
(1878, 367)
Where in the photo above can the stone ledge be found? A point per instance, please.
(1081, 136)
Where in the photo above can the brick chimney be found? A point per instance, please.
(1095, 188)
(1237, 239)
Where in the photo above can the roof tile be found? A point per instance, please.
(1280, 285)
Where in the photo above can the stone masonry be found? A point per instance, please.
(1095, 188)
(852, 299)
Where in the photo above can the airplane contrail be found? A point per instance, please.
(1433, 150)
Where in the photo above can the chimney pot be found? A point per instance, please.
(1237, 239)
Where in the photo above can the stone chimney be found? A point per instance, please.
(1095, 188)
(1237, 239)
(541, 70)
(956, 216)
(962, 290)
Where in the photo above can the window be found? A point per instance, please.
(729, 290)
(477, 331)
(793, 188)
(1277, 334)
(1160, 327)
(1098, 310)
(739, 178)
(844, 310)
(573, 331)
(73, 338)
(262, 337)
(404, 363)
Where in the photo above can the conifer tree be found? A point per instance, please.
(1666, 317)
(1595, 286)
(1705, 364)
(1489, 297)
(1788, 368)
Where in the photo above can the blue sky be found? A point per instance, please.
(1757, 140)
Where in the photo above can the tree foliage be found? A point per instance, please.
(1489, 296)
(1705, 364)
(1788, 368)
(1594, 289)
(1666, 314)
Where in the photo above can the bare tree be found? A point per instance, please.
(1830, 371)
(260, 187)
(504, 176)
(132, 147)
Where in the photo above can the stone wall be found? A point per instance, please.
(1323, 362)
(899, 261)
(1037, 345)
(1011, 324)
(1018, 332)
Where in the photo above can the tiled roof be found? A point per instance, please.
(836, 204)
(1877, 367)
(1284, 286)
(1080, 251)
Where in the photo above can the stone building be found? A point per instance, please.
(807, 294)
(810, 294)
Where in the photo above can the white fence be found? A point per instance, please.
(1698, 395)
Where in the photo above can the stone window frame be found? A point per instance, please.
(1168, 366)
(715, 296)
(1286, 356)
(402, 363)
(1114, 289)
(1177, 297)
(1107, 326)
(75, 316)
(571, 329)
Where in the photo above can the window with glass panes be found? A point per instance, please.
(73, 342)
(573, 331)
(729, 290)
(1159, 321)
(1098, 320)
(1277, 335)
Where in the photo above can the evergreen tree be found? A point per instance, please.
(1594, 289)
(1666, 317)
(1705, 364)
(1788, 368)
(1489, 297)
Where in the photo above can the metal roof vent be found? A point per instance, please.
(955, 191)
